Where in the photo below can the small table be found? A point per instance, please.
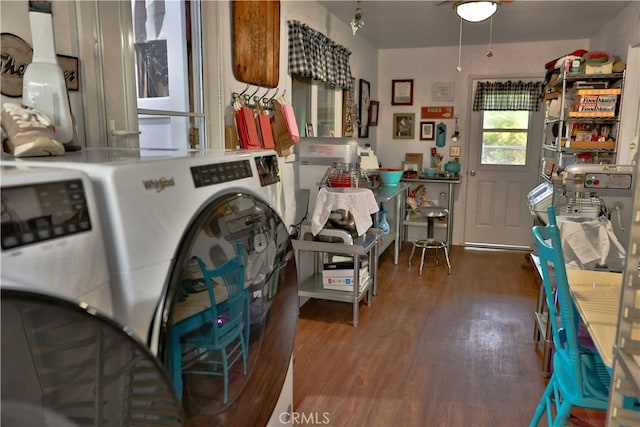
(597, 297)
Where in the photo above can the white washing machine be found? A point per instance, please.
(52, 241)
(162, 208)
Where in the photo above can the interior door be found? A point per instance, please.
(497, 214)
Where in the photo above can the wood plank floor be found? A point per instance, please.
(440, 350)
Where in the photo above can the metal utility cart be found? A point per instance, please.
(312, 287)
(625, 379)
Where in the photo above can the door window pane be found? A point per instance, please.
(504, 138)
(168, 72)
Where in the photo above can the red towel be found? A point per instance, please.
(247, 130)
(265, 129)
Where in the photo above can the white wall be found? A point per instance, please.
(14, 19)
(618, 34)
(621, 38)
(363, 66)
(430, 65)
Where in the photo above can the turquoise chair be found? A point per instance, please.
(222, 341)
(579, 377)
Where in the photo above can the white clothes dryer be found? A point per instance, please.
(163, 209)
(52, 241)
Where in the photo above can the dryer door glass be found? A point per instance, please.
(64, 365)
(199, 335)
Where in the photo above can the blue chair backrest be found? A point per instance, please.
(228, 311)
(563, 315)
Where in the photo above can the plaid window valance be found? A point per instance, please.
(507, 96)
(314, 55)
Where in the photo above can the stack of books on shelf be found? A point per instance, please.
(340, 275)
(596, 102)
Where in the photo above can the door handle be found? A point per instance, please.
(124, 132)
(472, 172)
(117, 132)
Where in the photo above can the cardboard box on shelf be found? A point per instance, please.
(344, 283)
(594, 145)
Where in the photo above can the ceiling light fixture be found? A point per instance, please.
(475, 11)
(358, 19)
(490, 52)
(459, 67)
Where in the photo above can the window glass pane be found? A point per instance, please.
(156, 131)
(504, 148)
(301, 99)
(505, 120)
(326, 109)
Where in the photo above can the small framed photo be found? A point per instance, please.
(408, 166)
(402, 92)
(427, 131)
(308, 127)
(403, 125)
(374, 109)
(365, 100)
(443, 91)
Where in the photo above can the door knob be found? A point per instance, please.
(472, 172)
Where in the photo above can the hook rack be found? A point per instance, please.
(258, 101)
(247, 98)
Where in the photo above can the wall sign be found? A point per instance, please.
(436, 113)
(16, 55)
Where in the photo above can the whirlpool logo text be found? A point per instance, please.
(158, 184)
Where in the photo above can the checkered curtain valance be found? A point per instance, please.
(507, 96)
(314, 55)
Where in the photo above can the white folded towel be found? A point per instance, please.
(359, 201)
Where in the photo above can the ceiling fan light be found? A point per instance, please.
(475, 11)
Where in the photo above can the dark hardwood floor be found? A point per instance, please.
(437, 350)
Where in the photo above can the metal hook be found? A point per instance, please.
(245, 89)
(247, 98)
(274, 95)
(257, 99)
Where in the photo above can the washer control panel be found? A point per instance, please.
(217, 173)
(37, 212)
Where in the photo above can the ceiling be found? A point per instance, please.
(413, 24)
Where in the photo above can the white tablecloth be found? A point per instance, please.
(359, 201)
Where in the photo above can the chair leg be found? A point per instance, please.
(544, 404)
(422, 260)
(446, 257)
(413, 248)
(225, 371)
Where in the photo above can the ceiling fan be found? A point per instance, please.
(475, 10)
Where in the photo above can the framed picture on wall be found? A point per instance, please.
(427, 132)
(403, 125)
(374, 110)
(365, 100)
(402, 92)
